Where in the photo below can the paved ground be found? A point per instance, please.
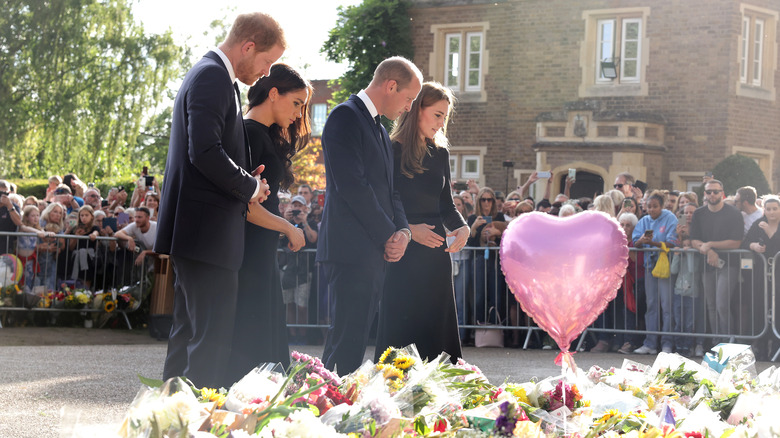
(57, 380)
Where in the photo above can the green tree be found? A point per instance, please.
(77, 80)
(364, 36)
(737, 171)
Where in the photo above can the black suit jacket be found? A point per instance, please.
(362, 210)
(206, 191)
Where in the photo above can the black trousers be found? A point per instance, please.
(355, 291)
(204, 310)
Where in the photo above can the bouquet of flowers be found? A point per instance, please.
(403, 395)
(76, 298)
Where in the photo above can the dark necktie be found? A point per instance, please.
(378, 120)
(238, 93)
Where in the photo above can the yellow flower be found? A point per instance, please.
(212, 395)
(391, 372)
(109, 306)
(520, 395)
(608, 415)
(384, 355)
(403, 362)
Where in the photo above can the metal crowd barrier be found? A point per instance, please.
(106, 268)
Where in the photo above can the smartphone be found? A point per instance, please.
(544, 174)
(649, 233)
(641, 185)
(145, 171)
(573, 174)
(708, 174)
(149, 181)
(321, 199)
(122, 218)
(488, 219)
(110, 222)
(461, 185)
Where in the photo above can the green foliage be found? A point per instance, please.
(77, 79)
(31, 187)
(364, 36)
(738, 171)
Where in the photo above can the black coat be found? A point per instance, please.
(206, 191)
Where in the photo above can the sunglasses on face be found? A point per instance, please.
(713, 192)
(618, 186)
(486, 199)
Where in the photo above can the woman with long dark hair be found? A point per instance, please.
(418, 304)
(277, 126)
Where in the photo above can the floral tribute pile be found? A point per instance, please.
(403, 396)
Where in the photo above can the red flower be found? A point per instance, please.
(440, 425)
(693, 435)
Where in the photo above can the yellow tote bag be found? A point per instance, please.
(661, 269)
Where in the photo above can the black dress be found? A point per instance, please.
(418, 302)
(260, 333)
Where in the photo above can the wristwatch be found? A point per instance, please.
(408, 233)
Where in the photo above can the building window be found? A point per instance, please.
(470, 166)
(319, 113)
(466, 163)
(757, 53)
(614, 36)
(459, 59)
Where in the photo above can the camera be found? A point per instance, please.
(120, 188)
(295, 212)
(149, 181)
(3, 193)
(461, 186)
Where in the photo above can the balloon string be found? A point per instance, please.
(566, 358)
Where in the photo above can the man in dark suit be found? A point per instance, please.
(205, 198)
(363, 223)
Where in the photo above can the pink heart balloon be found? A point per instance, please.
(564, 271)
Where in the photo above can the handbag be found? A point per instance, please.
(661, 269)
(490, 337)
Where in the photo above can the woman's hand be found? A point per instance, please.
(461, 236)
(93, 235)
(477, 223)
(79, 231)
(295, 238)
(423, 234)
(757, 247)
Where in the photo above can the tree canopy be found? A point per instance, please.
(79, 80)
(737, 171)
(364, 36)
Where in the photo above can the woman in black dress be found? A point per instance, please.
(277, 126)
(764, 240)
(418, 302)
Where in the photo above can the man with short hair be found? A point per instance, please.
(140, 234)
(307, 193)
(207, 190)
(625, 182)
(671, 200)
(717, 226)
(363, 223)
(745, 201)
(92, 198)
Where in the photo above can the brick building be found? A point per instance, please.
(664, 89)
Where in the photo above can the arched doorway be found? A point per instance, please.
(586, 184)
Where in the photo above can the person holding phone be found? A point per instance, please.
(657, 227)
(485, 229)
(420, 284)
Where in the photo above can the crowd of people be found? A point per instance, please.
(63, 247)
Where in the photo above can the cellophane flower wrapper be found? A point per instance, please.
(260, 384)
(172, 410)
(604, 398)
(375, 408)
(769, 378)
(736, 357)
(423, 389)
(701, 419)
(299, 424)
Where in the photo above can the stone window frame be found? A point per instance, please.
(459, 154)
(751, 82)
(591, 85)
(438, 59)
